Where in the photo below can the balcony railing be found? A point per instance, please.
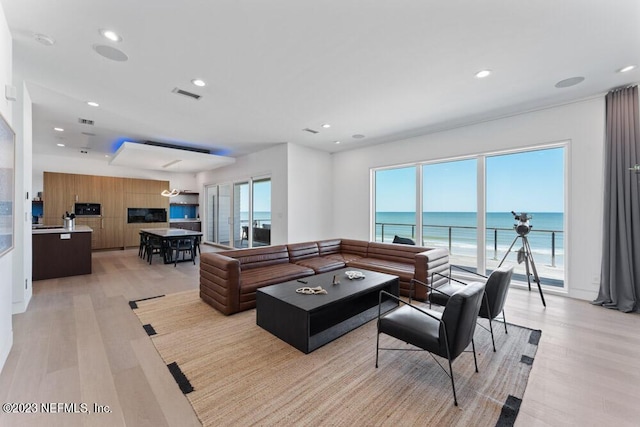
(409, 230)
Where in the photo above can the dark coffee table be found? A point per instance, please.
(310, 321)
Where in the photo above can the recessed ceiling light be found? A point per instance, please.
(58, 129)
(60, 144)
(93, 104)
(571, 81)
(111, 35)
(336, 142)
(326, 125)
(199, 82)
(627, 68)
(482, 74)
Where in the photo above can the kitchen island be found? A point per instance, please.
(61, 252)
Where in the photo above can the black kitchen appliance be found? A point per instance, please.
(87, 209)
(138, 215)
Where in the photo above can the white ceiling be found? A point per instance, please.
(383, 69)
(141, 156)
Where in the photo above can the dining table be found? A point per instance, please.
(167, 235)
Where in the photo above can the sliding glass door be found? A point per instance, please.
(449, 209)
(261, 203)
(531, 184)
(224, 215)
(238, 214)
(211, 212)
(466, 208)
(395, 204)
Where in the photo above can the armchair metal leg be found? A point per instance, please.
(491, 330)
(475, 361)
(504, 319)
(377, 347)
(453, 384)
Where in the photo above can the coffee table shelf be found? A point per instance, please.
(307, 322)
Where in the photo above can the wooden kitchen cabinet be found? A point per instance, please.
(96, 225)
(112, 233)
(145, 186)
(87, 189)
(114, 194)
(111, 197)
(59, 190)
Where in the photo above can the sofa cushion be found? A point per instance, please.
(343, 258)
(404, 270)
(321, 264)
(394, 251)
(252, 279)
(300, 251)
(342, 250)
(354, 247)
(259, 257)
(329, 247)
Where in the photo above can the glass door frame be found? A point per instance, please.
(231, 222)
(481, 199)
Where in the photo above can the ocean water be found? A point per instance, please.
(546, 229)
(262, 217)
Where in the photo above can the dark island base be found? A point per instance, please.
(54, 255)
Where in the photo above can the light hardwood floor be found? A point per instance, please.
(79, 342)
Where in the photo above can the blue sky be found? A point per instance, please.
(261, 196)
(523, 182)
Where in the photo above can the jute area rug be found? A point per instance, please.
(237, 374)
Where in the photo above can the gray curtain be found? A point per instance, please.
(620, 276)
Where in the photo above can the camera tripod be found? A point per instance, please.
(530, 266)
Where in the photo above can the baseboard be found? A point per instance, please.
(5, 348)
(583, 294)
(21, 306)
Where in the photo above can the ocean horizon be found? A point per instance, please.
(547, 229)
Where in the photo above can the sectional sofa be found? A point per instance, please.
(229, 279)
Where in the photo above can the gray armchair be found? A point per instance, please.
(446, 334)
(497, 286)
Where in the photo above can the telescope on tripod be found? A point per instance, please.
(522, 228)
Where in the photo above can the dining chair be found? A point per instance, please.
(184, 246)
(153, 247)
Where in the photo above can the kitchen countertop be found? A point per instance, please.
(50, 229)
(184, 220)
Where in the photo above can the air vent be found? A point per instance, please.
(185, 93)
(85, 121)
(88, 133)
(310, 130)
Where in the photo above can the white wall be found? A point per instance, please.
(22, 284)
(581, 123)
(301, 184)
(6, 261)
(270, 161)
(50, 163)
(310, 183)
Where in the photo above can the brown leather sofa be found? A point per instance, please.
(229, 279)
